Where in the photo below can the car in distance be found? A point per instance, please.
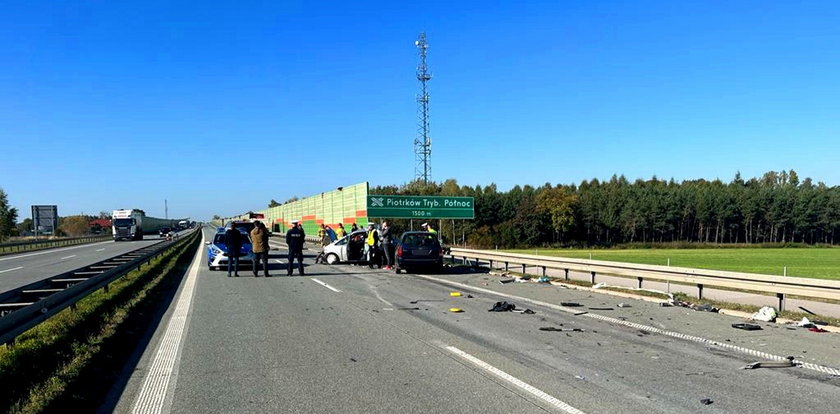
(217, 251)
(348, 249)
(419, 250)
(164, 231)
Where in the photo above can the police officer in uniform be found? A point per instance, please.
(294, 239)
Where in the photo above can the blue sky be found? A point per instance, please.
(221, 106)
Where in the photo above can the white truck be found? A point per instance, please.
(132, 224)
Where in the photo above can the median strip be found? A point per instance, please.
(153, 392)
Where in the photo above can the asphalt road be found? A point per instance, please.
(351, 339)
(22, 269)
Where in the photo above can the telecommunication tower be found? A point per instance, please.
(423, 143)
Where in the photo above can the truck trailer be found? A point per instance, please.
(132, 224)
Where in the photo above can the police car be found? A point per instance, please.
(217, 252)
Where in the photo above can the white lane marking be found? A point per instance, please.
(51, 251)
(536, 392)
(152, 395)
(9, 270)
(278, 261)
(325, 285)
(67, 257)
(691, 338)
(99, 250)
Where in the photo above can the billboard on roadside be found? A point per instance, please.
(44, 219)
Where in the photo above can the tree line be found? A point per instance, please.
(777, 207)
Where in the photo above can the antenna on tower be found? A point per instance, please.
(423, 143)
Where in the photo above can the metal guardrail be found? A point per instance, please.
(778, 285)
(24, 307)
(9, 248)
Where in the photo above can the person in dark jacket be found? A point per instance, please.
(294, 239)
(259, 243)
(233, 242)
(386, 241)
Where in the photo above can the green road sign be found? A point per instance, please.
(420, 207)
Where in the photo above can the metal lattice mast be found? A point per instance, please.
(423, 143)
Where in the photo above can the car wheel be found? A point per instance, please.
(332, 259)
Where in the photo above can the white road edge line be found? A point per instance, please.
(99, 250)
(47, 251)
(325, 285)
(530, 389)
(152, 395)
(690, 338)
(9, 270)
(67, 257)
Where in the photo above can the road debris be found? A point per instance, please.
(525, 311)
(806, 310)
(456, 310)
(455, 294)
(601, 308)
(502, 307)
(505, 281)
(706, 401)
(623, 305)
(425, 300)
(817, 329)
(570, 304)
(746, 326)
(544, 279)
(765, 314)
(771, 364)
(553, 329)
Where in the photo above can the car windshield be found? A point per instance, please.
(123, 222)
(219, 238)
(419, 240)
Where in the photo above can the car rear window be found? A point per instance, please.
(419, 240)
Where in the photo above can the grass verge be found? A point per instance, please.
(63, 363)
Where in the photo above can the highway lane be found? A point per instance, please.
(349, 339)
(22, 269)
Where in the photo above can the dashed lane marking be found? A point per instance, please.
(9, 270)
(530, 389)
(152, 395)
(325, 285)
(48, 251)
(68, 257)
(99, 250)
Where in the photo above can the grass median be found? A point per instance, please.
(818, 263)
(69, 362)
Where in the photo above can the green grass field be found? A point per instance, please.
(821, 263)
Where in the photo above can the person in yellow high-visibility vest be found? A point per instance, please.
(372, 245)
(427, 227)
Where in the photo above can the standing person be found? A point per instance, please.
(427, 227)
(259, 243)
(354, 228)
(386, 240)
(372, 244)
(340, 232)
(233, 242)
(323, 235)
(294, 239)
